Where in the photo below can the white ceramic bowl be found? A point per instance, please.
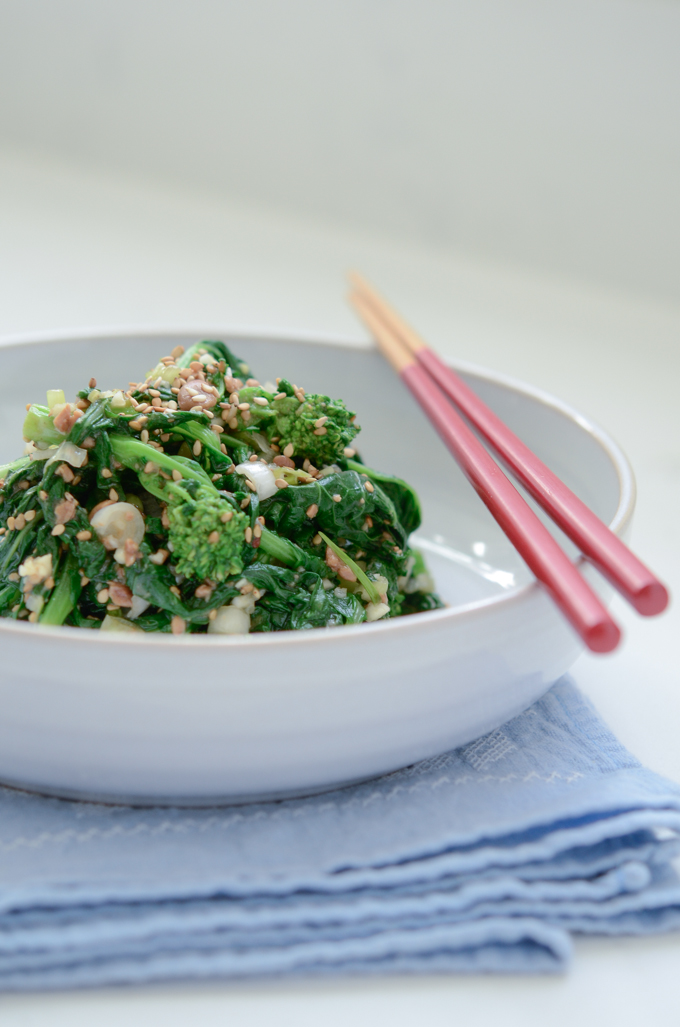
(203, 719)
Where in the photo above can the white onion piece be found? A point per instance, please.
(70, 453)
(138, 607)
(118, 624)
(230, 621)
(261, 477)
(117, 523)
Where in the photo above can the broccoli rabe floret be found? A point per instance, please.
(206, 533)
(318, 428)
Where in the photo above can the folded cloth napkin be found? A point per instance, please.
(483, 859)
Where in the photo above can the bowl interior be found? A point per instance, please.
(470, 557)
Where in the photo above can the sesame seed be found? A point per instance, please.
(154, 392)
(103, 596)
(58, 529)
(249, 534)
(217, 428)
(106, 473)
(312, 510)
(289, 450)
(177, 352)
(213, 537)
(368, 485)
(336, 498)
(177, 625)
(281, 483)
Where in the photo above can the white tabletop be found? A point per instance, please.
(77, 249)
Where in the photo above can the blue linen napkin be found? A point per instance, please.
(486, 858)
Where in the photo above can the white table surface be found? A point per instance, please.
(79, 249)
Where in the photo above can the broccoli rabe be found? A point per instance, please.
(317, 427)
(200, 499)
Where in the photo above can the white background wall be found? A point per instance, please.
(544, 132)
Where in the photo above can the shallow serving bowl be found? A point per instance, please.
(203, 719)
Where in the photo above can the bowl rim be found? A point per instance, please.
(321, 636)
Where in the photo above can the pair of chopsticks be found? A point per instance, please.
(444, 396)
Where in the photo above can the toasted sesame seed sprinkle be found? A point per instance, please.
(58, 529)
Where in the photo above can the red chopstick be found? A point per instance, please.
(596, 541)
(531, 538)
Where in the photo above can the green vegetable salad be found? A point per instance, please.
(200, 500)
